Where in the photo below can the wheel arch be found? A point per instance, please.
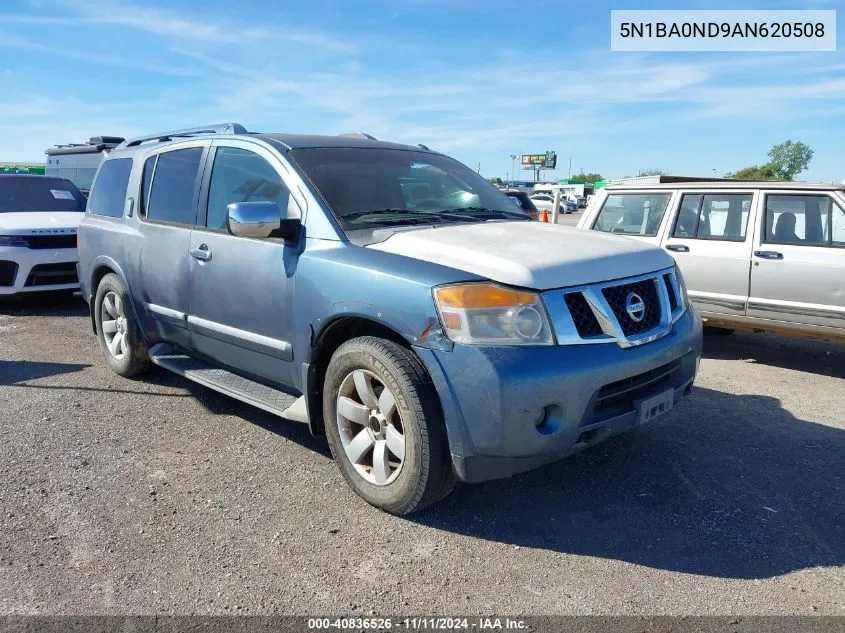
(101, 267)
(325, 342)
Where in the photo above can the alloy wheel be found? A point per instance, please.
(370, 426)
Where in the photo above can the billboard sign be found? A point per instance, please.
(539, 161)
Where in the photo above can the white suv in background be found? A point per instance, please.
(39, 217)
(755, 255)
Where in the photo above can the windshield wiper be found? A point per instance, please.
(411, 214)
(389, 211)
(478, 212)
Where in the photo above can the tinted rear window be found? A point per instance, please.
(109, 192)
(39, 193)
(174, 182)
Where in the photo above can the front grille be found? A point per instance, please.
(619, 397)
(51, 241)
(8, 270)
(617, 297)
(584, 319)
(670, 288)
(49, 274)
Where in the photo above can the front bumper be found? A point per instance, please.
(511, 409)
(25, 270)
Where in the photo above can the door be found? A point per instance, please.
(709, 240)
(242, 290)
(168, 208)
(798, 272)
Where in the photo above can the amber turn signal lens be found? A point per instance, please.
(470, 296)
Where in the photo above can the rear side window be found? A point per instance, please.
(38, 193)
(715, 216)
(174, 183)
(805, 220)
(109, 192)
(632, 213)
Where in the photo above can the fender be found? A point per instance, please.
(427, 333)
(106, 261)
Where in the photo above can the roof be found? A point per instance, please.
(231, 131)
(730, 184)
(302, 141)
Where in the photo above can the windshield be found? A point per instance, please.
(632, 213)
(39, 193)
(367, 188)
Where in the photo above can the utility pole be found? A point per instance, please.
(513, 168)
(479, 168)
(570, 169)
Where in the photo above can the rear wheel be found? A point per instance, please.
(120, 340)
(384, 426)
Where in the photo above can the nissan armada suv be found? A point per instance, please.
(385, 295)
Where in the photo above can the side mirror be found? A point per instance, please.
(260, 219)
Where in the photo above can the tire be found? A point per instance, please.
(423, 474)
(131, 358)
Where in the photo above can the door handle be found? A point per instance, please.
(768, 254)
(202, 253)
(678, 248)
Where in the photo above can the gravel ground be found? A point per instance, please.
(157, 496)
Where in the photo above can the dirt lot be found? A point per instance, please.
(159, 496)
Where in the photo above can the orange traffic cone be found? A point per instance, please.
(545, 217)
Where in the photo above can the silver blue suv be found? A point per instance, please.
(385, 295)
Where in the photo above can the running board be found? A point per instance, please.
(272, 400)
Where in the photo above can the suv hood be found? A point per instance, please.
(39, 222)
(529, 254)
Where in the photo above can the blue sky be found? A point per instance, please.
(477, 80)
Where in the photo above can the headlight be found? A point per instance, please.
(13, 240)
(683, 285)
(488, 314)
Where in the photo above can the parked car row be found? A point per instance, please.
(546, 201)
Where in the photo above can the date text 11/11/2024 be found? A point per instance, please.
(418, 624)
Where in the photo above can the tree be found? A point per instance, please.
(764, 172)
(587, 177)
(494, 181)
(653, 172)
(788, 159)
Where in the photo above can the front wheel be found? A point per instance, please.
(385, 427)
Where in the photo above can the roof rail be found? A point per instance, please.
(217, 128)
(359, 135)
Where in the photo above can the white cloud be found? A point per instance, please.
(168, 23)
